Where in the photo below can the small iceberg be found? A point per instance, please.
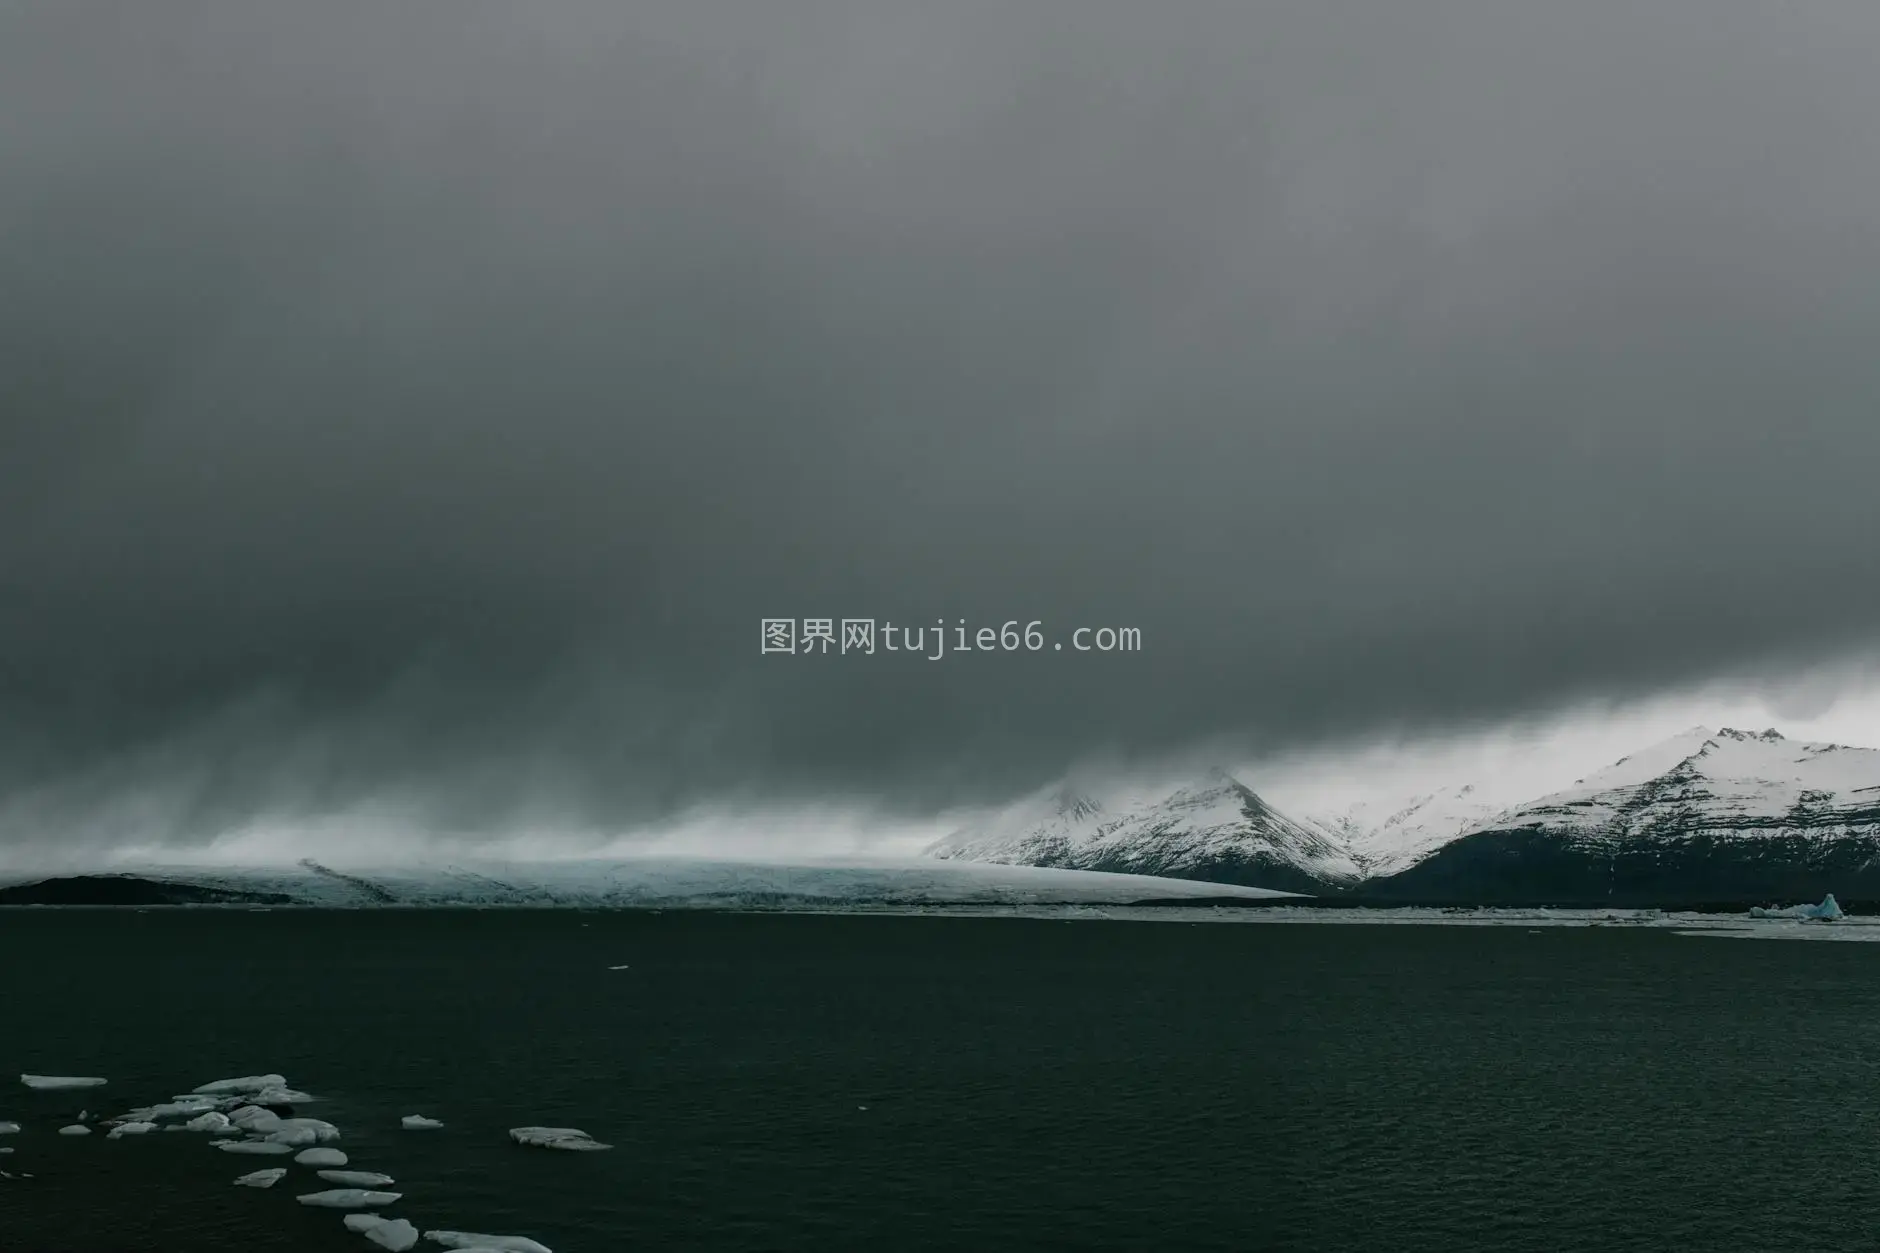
(129, 1129)
(361, 1222)
(185, 1108)
(76, 1129)
(9, 1128)
(279, 1096)
(320, 1157)
(254, 1118)
(319, 1126)
(294, 1137)
(418, 1122)
(355, 1178)
(214, 1120)
(566, 1138)
(262, 1178)
(1828, 911)
(245, 1084)
(60, 1083)
(395, 1234)
(468, 1240)
(322, 1132)
(348, 1198)
(264, 1147)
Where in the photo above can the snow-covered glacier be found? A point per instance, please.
(646, 882)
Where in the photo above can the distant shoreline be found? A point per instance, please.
(102, 891)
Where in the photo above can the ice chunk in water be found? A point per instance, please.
(129, 1129)
(263, 1178)
(568, 1138)
(361, 1222)
(466, 1241)
(293, 1137)
(254, 1118)
(176, 1109)
(247, 1083)
(254, 1146)
(356, 1178)
(348, 1198)
(59, 1083)
(320, 1157)
(279, 1096)
(325, 1130)
(396, 1235)
(418, 1122)
(9, 1128)
(214, 1120)
(76, 1129)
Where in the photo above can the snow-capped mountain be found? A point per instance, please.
(1217, 830)
(1704, 815)
(1385, 839)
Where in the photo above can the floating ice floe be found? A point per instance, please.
(129, 1129)
(320, 1157)
(568, 1138)
(395, 1234)
(254, 1118)
(9, 1128)
(245, 1084)
(214, 1120)
(279, 1096)
(361, 1222)
(348, 1198)
(356, 1178)
(59, 1083)
(474, 1242)
(1828, 911)
(76, 1129)
(303, 1131)
(293, 1137)
(184, 1108)
(263, 1178)
(418, 1122)
(262, 1147)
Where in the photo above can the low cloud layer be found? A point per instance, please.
(421, 406)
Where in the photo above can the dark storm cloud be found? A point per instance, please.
(430, 399)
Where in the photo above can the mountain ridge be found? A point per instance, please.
(1703, 814)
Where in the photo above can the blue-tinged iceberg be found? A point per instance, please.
(1828, 911)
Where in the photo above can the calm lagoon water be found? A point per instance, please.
(795, 1082)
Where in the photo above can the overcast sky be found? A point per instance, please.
(419, 406)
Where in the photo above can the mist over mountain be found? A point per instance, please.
(417, 411)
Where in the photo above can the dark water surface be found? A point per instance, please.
(1029, 1084)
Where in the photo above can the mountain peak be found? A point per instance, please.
(1769, 736)
(1075, 805)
